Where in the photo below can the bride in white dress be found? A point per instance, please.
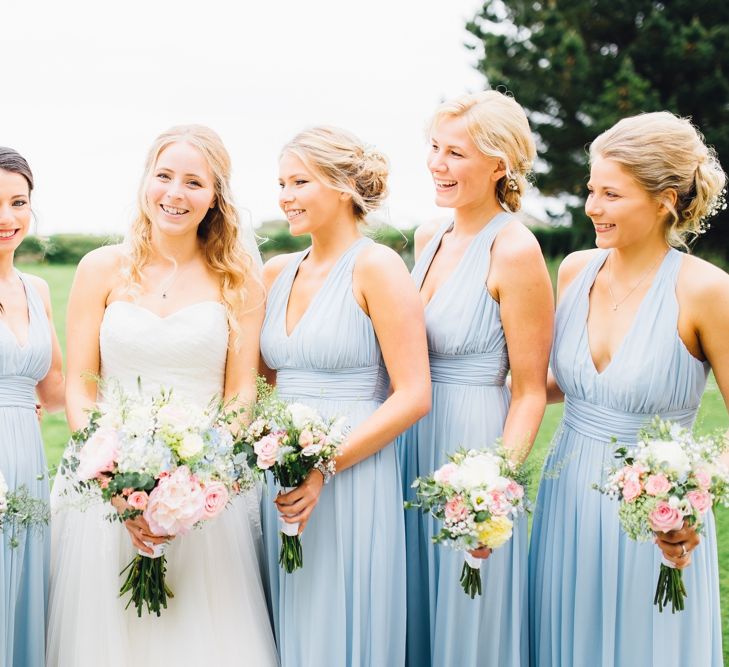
(179, 306)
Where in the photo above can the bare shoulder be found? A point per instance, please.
(40, 285)
(105, 258)
(424, 233)
(705, 285)
(572, 265)
(377, 260)
(516, 243)
(273, 267)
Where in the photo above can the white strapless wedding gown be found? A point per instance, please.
(218, 615)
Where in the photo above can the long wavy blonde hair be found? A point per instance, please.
(218, 233)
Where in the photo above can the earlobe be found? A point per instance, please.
(499, 171)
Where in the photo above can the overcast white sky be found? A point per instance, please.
(88, 84)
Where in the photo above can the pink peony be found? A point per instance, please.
(657, 485)
(266, 450)
(216, 498)
(498, 503)
(631, 489)
(98, 454)
(700, 500)
(176, 504)
(514, 491)
(444, 473)
(455, 509)
(665, 518)
(138, 500)
(703, 478)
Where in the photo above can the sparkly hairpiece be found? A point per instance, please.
(715, 205)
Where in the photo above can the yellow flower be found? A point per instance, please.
(494, 532)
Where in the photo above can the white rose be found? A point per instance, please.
(481, 470)
(672, 455)
(302, 414)
(192, 445)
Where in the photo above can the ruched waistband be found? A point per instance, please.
(603, 423)
(17, 391)
(486, 369)
(369, 383)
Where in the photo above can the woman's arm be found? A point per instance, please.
(521, 281)
(86, 304)
(50, 389)
(393, 305)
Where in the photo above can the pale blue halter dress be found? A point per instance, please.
(346, 606)
(24, 569)
(468, 366)
(591, 587)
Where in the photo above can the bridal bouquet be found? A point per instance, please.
(476, 495)
(669, 478)
(20, 510)
(170, 462)
(290, 440)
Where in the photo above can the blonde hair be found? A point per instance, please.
(498, 126)
(218, 233)
(662, 152)
(342, 162)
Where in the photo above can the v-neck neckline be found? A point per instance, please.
(633, 323)
(459, 264)
(17, 342)
(295, 272)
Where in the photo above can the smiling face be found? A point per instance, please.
(622, 212)
(14, 210)
(180, 189)
(463, 176)
(309, 204)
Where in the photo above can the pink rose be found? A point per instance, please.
(266, 450)
(665, 518)
(657, 485)
(455, 509)
(176, 504)
(498, 503)
(127, 490)
(703, 479)
(138, 500)
(216, 498)
(700, 500)
(98, 454)
(631, 489)
(514, 491)
(444, 473)
(305, 438)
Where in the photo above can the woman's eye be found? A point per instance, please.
(20, 203)
(195, 184)
(300, 182)
(163, 177)
(455, 154)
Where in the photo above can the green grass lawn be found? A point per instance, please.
(712, 415)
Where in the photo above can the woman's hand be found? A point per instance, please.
(677, 545)
(483, 553)
(298, 504)
(139, 531)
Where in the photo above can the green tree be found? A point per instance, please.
(578, 66)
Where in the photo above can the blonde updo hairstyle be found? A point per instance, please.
(345, 164)
(218, 233)
(662, 151)
(498, 126)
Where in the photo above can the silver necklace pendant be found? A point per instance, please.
(164, 295)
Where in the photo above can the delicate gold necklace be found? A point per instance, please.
(635, 287)
(169, 282)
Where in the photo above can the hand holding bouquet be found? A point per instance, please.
(476, 496)
(20, 510)
(669, 478)
(291, 440)
(172, 464)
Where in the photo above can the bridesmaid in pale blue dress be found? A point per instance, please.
(30, 367)
(343, 321)
(485, 287)
(638, 327)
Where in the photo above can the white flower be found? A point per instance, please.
(3, 494)
(192, 444)
(671, 454)
(481, 470)
(301, 415)
(479, 500)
